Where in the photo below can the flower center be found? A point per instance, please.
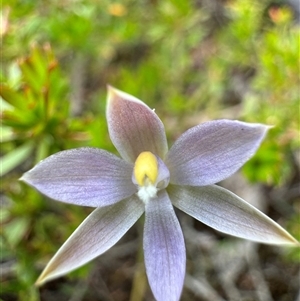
(145, 175)
(145, 168)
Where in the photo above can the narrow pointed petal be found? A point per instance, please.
(83, 176)
(98, 232)
(164, 249)
(212, 151)
(226, 212)
(133, 127)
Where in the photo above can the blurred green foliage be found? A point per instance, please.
(190, 60)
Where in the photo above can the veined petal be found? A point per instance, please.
(98, 232)
(212, 151)
(83, 176)
(164, 249)
(226, 212)
(133, 127)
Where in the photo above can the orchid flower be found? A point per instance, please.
(150, 179)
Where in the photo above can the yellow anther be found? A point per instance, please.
(145, 167)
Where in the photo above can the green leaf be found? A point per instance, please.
(15, 230)
(6, 134)
(12, 97)
(15, 158)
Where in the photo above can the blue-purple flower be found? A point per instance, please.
(150, 179)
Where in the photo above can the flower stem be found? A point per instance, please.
(139, 284)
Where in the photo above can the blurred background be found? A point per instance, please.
(193, 61)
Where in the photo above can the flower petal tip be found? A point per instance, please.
(269, 126)
(42, 279)
(111, 90)
(115, 94)
(293, 242)
(287, 240)
(39, 282)
(25, 178)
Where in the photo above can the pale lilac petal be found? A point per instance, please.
(226, 212)
(164, 249)
(98, 232)
(133, 127)
(163, 177)
(83, 176)
(212, 151)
